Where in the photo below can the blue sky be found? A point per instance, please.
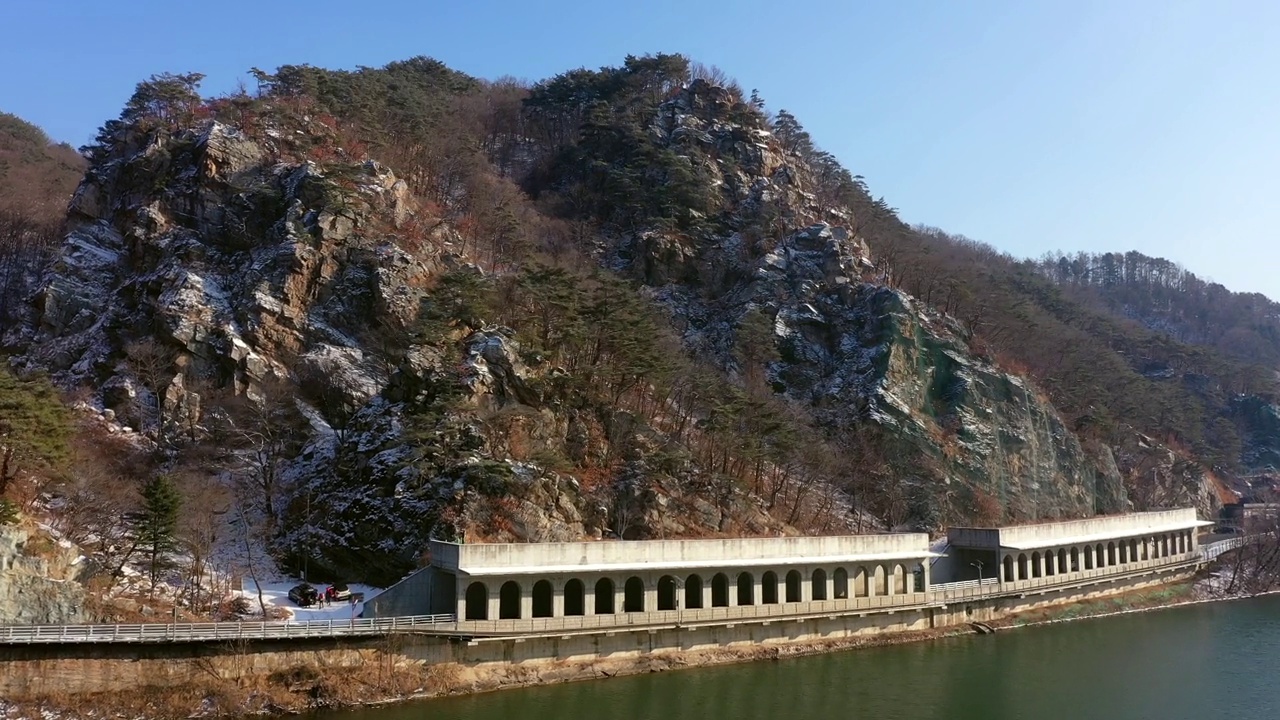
(1085, 125)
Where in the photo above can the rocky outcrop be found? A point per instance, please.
(37, 584)
(235, 267)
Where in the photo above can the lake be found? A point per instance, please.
(1219, 660)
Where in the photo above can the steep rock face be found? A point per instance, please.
(1157, 477)
(37, 589)
(858, 352)
(1261, 421)
(236, 268)
(853, 351)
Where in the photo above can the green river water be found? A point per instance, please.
(1219, 660)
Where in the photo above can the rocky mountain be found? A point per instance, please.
(402, 303)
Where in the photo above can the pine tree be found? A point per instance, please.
(158, 523)
(34, 426)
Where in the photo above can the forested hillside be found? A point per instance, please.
(36, 180)
(353, 310)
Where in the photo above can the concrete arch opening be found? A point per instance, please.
(477, 601)
(861, 583)
(1111, 554)
(1075, 560)
(917, 579)
(1063, 567)
(1008, 569)
(1133, 551)
(666, 593)
(881, 582)
(1023, 569)
(575, 598)
(819, 584)
(769, 588)
(793, 586)
(899, 580)
(1099, 558)
(1035, 564)
(693, 592)
(1088, 558)
(542, 599)
(720, 590)
(1050, 563)
(604, 596)
(746, 589)
(840, 583)
(633, 595)
(509, 601)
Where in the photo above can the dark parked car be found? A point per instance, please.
(304, 595)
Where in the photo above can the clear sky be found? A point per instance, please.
(1035, 126)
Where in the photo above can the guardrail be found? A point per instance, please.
(206, 632)
(1212, 550)
(964, 584)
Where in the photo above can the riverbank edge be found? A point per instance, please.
(343, 688)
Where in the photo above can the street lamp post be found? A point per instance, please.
(978, 564)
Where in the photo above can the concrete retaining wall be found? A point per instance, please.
(29, 671)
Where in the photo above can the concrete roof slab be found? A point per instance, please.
(705, 566)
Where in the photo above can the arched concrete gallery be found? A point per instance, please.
(650, 578)
(513, 588)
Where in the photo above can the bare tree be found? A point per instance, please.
(264, 432)
(204, 509)
(152, 363)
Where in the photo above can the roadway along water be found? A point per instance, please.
(1208, 661)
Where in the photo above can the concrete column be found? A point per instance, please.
(1043, 566)
(495, 604)
(557, 599)
(619, 595)
(806, 585)
(706, 591)
(650, 595)
(758, 590)
(526, 600)
(831, 586)
(925, 565)
(588, 597)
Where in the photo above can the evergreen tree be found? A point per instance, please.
(8, 512)
(158, 523)
(34, 426)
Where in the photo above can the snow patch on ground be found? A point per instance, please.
(275, 593)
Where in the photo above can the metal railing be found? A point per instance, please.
(964, 584)
(209, 632)
(1212, 550)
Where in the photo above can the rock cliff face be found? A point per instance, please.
(236, 267)
(37, 585)
(854, 351)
